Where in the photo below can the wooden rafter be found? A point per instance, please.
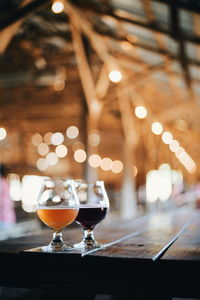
(7, 34)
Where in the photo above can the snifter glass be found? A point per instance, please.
(57, 207)
(93, 207)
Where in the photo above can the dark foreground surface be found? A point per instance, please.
(156, 256)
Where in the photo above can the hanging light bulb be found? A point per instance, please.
(115, 76)
(57, 7)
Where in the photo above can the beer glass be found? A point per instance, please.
(93, 206)
(57, 207)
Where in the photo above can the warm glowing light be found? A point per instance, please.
(167, 137)
(115, 76)
(140, 112)
(61, 151)
(157, 128)
(47, 138)
(93, 139)
(43, 149)
(174, 145)
(126, 46)
(59, 84)
(72, 132)
(192, 168)
(31, 186)
(158, 185)
(57, 138)
(40, 63)
(14, 187)
(165, 166)
(42, 164)
(177, 177)
(117, 166)
(179, 151)
(80, 155)
(36, 139)
(57, 7)
(52, 158)
(184, 157)
(3, 133)
(106, 164)
(94, 160)
(135, 171)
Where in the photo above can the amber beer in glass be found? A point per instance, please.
(57, 207)
(57, 218)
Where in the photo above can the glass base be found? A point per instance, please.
(50, 249)
(87, 245)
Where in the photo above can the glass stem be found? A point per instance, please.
(57, 238)
(88, 237)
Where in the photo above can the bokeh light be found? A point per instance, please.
(94, 139)
(80, 155)
(43, 149)
(42, 164)
(57, 7)
(94, 160)
(174, 145)
(57, 138)
(117, 166)
(106, 164)
(52, 158)
(140, 112)
(36, 139)
(61, 151)
(167, 137)
(47, 138)
(156, 128)
(3, 133)
(72, 132)
(115, 76)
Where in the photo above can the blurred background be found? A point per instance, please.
(100, 89)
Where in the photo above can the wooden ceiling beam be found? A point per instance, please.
(153, 26)
(7, 34)
(23, 12)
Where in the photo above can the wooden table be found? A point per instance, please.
(156, 256)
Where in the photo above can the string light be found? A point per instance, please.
(93, 139)
(94, 160)
(115, 76)
(47, 138)
(57, 7)
(3, 133)
(80, 155)
(174, 145)
(106, 164)
(43, 149)
(157, 128)
(167, 137)
(61, 151)
(117, 166)
(42, 164)
(72, 132)
(52, 158)
(57, 138)
(36, 139)
(141, 112)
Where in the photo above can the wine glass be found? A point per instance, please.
(57, 207)
(93, 206)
